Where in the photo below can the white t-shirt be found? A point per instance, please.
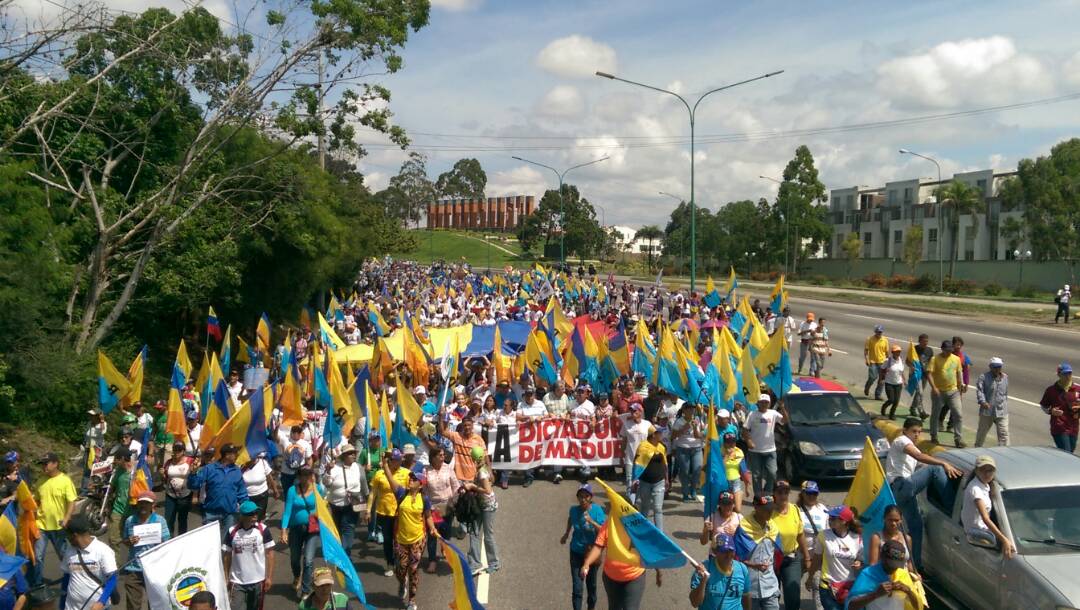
(894, 371)
(682, 431)
(584, 410)
(342, 478)
(818, 521)
(234, 391)
(255, 477)
(135, 447)
(144, 421)
(100, 560)
(248, 548)
(534, 409)
(295, 449)
(897, 462)
(762, 428)
(176, 476)
(633, 434)
(976, 492)
(838, 553)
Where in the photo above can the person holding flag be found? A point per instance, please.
(721, 582)
(225, 488)
(324, 597)
(838, 557)
(119, 494)
(584, 521)
(651, 477)
(413, 525)
(887, 584)
(757, 541)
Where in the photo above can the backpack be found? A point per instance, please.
(469, 508)
(294, 457)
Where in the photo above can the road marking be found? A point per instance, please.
(484, 577)
(1026, 402)
(855, 315)
(839, 351)
(1004, 338)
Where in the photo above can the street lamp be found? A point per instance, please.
(692, 110)
(675, 197)
(787, 232)
(937, 198)
(562, 210)
(603, 221)
(1021, 256)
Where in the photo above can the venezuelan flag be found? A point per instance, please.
(774, 365)
(916, 369)
(112, 385)
(464, 587)
(334, 554)
(142, 478)
(247, 427)
(174, 423)
(617, 349)
(634, 540)
(713, 476)
(869, 494)
(135, 378)
(262, 334)
(9, 565)
(213, 327)
(28, 529)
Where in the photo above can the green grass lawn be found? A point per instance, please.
(452, 246)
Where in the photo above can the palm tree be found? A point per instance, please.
(651, 233)
(960, 198)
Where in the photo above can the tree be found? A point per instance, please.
(583, 235)
(852, 247)
(411, 190)
(466, 180)
(913, 247)
(799, 203)
(677, 231)
(649, 233)
(960, 199)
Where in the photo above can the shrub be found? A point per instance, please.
(818, 280)
(925, 283)
(874, 280)
(960, 286)
(901, 282)
(761, 276)
(1024, 292)
(992, 289)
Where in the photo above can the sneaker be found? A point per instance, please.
(527, 482)
(960, 444)
(557, 479)
(389, 572)
(477, 572)
(505, 484)
(411, 606)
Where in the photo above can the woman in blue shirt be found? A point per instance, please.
(296, 528)
(585, 520)
(721, 583)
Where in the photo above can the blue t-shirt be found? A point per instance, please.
(12, 589)
(429, 408)
(723, 592)
(136, 551)
(584, 534)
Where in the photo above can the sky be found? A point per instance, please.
(491, 79)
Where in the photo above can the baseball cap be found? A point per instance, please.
(11, 457)
(247, 507)
(724, 543)
(585, 487)
(985, 460)
(48, 457)
(879, 328)
(652, 430)
(146, 496)
(636, 406)
(1065, 368)
(395, 455)
(93, 412)
(809, 315)
(810, 487)
(723, 413)
(781, 485)
(322, 576)
(764, 501)
(946, 344)
(764, 398)
(842, 513)
(408, 449)
(420, 390)
(229, 448)
(374, 434)
(726, 497)
(996, 363)
(419, 476)
(896, 347)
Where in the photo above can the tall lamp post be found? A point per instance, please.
(937, 198)
(679, 199)
(1021, 256)
(603, 221)
(562, 210)
(787, 231)
(692, 110)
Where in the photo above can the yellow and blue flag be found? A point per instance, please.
(712, 297)
(135, 378)
(644, 359)
(872, 577)
(175, 423)
(225, 354)
(580, 360)
(28, 529)
(10, 565)
(646, 451)
(913, 362)
(382, 329)
(541, 356)
(408, 419)
(499, 360)
(218, 410)
(618, 351)
(713, 476)
(290, 399)
(778, 297)
(334, 554)
(381, 362)
(247, 427)
(720, 382)
(634, 540)
(870, 494)
(112, 385)
(262, 334)
(774, 365)
(556, 322)
(9, 529)
(142, 478)
(464, 587)
(328, 336)
(732, 284)
(751, 388)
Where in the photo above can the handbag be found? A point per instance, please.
(313, 523)
(357, 503)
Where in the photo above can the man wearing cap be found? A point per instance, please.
(530, 410)
(1061, 402)
(721, 582)
(992, 394)
(761, 443)
(892, 373)
(887, 582)
(762, 530)
(87, 563)
(946, 385)
(924, 353)
(249, 559)
(225, 488)
(806, 334)
(324, 597)
(56, 503)
(429, 407)
(118, 498)
(874, 353)
(144, 516)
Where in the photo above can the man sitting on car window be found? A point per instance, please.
(975, 512)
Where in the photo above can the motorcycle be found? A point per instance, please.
(91, 503)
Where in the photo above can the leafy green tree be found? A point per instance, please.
(677, 231)
(960, 199)
(466, 180)
(1048, 188)
(411, 190)
(649, 233)
(853, 249)
(583, 235)
(799, 203)
(913, 247)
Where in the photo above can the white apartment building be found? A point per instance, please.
(882, 216)
(627, 242)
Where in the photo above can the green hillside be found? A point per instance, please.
(452, 246)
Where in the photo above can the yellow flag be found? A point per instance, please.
(868, 481)
(618, 542)
(751, 387)
(384, 413)
(722, 361)
(758, 337)
(408, 407)
(135, 378)
(112, 385)
(501, 362)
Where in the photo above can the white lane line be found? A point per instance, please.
(855, 315)
(484, 577)
(1003, 338)
(1026, 402)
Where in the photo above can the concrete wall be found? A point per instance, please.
(1043, 276)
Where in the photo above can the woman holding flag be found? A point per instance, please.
(412, 523)
(651, 477)
(837, 556)
(721, 583)
(584, 521)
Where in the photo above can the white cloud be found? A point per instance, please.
(1072, 70)
(978, 71)
(456, 6)
(576, 57)
(562, 101)
(521, 180)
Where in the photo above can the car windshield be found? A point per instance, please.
(824, 409)
(1044, 520)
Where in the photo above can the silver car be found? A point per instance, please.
(1036, 504)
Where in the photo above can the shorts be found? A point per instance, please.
(735, 485)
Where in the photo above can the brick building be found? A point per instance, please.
(498, 213)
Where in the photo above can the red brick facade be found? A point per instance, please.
(500, 213)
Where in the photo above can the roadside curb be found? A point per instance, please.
(892, 429)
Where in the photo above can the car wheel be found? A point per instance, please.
(786, 470)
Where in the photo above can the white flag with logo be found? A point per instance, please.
(183, 566)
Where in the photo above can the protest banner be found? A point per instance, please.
(554, 442)
(178, 569)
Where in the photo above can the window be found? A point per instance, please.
(892, 196)
(907, 194)
(981, 184)
(867, 238)
(850, 201)
(945, 502)
(898, 237)
(932, 235)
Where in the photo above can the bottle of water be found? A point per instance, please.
(1050, 528)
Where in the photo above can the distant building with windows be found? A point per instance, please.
(498, 213)
(882, 217)
(628, 242)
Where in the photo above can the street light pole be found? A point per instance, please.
(562, 210)
(692, 110)
(787, 231)
(937, 198)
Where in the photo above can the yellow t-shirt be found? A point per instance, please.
(410, 519)
(943, 372)
(790, 525)
(731, 464)
(385, 502)
(54, 496)
(877, 349)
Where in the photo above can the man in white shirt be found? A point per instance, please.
(296, 454)
(761, 442)
(635, 428)
(978, 502)
(235, 387)
(908, 481)
(789, 325)
(531, 410)
(583, 408)
(88, 563)
(806, 335)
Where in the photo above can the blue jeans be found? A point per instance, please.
(828, 600)
(58, 539)
(651, 502)
(580, 586)
(485, 528)
(906, 491)
(628, 476)
(302, 547)
(224, 521)
(689, 469)
(1065, 442)
(345, 521)
(873, 375)
(176, 514)
(624, 595)
(763, 469)
(444, 528)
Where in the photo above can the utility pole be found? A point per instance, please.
(322, 124)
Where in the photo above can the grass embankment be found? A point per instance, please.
(452, 246)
